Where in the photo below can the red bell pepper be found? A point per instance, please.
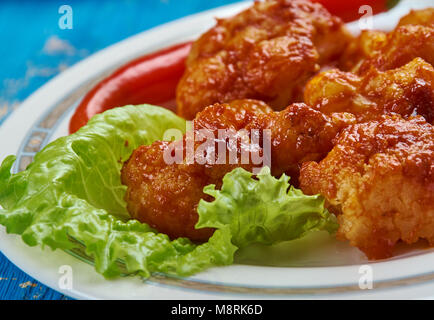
(148, 79)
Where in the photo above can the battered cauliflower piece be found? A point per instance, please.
(298, 134)
(407, 91)
(165, 195)
(366, 46)
(266, 52)
(234, 115)
(412, 38)
(379, 179)
(423, 17)
(401, 46)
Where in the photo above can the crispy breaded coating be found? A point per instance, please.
(407, 91)
(412, 38)
(423, 17)
(236, 115)
(266, 52)
(165, 195)
(379, 178)
(366, 46)
(298, 134)
(401, 46)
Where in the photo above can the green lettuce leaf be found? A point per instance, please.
(71, 197)
(264, 210)
(72, 190)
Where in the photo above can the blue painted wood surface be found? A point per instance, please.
(34, 49)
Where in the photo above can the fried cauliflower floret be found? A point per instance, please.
(364, 47)
(235, 115)
(165, 194)
(298, 134)
(412, 38)
(379, 179)
(407, 91)
(266, 52)
(424, 17)
(400, 47)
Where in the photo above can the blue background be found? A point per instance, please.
(33, 49)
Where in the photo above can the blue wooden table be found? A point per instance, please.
(35, 48)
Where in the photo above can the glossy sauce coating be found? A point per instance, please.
(412, 38)
(165, 195)
(379, 178)
(266, 52)
(298, 134)
(407, 91)
(359, 144)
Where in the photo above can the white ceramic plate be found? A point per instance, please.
(327, 269)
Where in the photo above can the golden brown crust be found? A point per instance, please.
(163, 196)
(411, 38)
(380, 178)
(407, 91)
(236, 115)
(365, 46)
(266, 52)
(424, 17)
(401, 46)
(166, 195)
(298, 134)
